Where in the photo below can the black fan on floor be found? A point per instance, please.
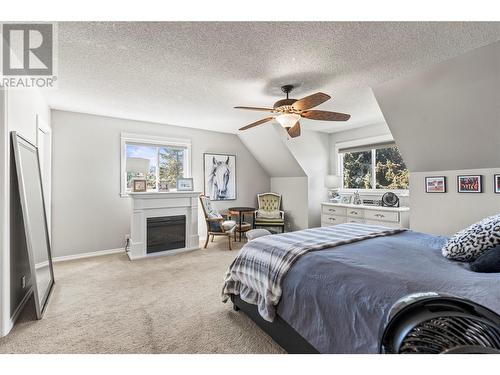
(429, 323)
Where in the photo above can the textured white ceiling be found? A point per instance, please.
(192, 74)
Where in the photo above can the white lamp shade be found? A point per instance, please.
(332, 181)
(138, 165)
(287, 120)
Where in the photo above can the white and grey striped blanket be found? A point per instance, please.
(257, 273)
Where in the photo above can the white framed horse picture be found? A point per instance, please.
(220, 176)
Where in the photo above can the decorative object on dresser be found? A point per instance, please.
(435, 184)
(496, 180)
(346, 199)
(356, 199)
(470, 184)
(332, 183)
(139, 167)
(184, 184)
(390, 199)
(372, 202)
(220, 176)
(269, 213)
(338, 213)
(216, 225)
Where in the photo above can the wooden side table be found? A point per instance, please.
(243, 226)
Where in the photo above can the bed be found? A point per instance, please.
(334, 300)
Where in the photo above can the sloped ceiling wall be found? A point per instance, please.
(447, 117)
(266, 144)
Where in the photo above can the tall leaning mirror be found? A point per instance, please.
(35, 220)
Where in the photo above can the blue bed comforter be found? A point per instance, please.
(337, 298)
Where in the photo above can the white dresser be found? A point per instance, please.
(338, 213)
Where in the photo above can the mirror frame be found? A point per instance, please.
(17, 142)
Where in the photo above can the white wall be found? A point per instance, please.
(446, 213)
(446, 121)
(267, 143)
(311, 150)
(20, 110)
(447, 117)
(88, 212)
(294, 200)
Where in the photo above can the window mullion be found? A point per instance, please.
(157, 169)
(374, 162)
(340, 167)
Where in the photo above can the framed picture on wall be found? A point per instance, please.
(496, 180)
(435, 184)
(469, 184)
(219, 176)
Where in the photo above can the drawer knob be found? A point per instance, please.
(354, 212)
(379, 215)
(332, 218)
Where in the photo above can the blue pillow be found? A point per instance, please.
(488, 262)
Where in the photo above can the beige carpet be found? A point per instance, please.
(167, 304)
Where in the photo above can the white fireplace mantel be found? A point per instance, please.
(147, 205)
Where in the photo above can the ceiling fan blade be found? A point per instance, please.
(264, 120)
(256, 109)
(325, 115)
(310, 101)
(294, 131)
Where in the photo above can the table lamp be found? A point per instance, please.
(332, 183)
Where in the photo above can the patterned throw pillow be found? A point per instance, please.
(211, 211)
(471, 242)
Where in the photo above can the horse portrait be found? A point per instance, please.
(220, 176)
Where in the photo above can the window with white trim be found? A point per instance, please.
(161, 161)
(373, 167)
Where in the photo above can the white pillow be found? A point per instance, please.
(470, 243)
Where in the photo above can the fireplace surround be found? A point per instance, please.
(173, 223)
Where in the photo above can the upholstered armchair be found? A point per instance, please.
(269, 213)
(216, 225)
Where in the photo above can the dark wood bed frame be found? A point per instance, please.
(279, 330)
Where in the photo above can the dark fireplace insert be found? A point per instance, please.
(166, 233)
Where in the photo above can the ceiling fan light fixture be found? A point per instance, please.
(287, 120)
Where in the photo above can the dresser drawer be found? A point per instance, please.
(331, 220)
(355, 213)
(333, 210)
(382, 215)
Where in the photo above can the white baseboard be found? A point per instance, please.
(65, 258)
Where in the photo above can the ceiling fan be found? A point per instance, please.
(288, 112)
